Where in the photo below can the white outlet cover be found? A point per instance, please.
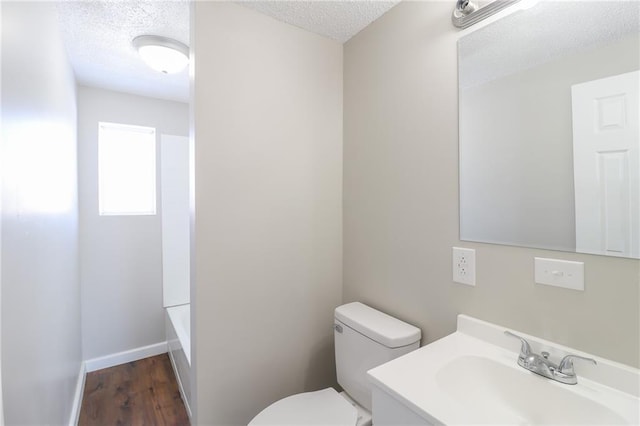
(559, 273)
(464, 266)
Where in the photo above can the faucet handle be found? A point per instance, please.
(525, 349)
(566, 364)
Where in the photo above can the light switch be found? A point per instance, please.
(559, 273)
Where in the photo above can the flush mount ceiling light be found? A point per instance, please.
(163, 54)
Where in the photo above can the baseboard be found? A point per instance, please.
(77, 398)
(125, 356)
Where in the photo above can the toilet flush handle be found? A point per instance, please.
(337, 327)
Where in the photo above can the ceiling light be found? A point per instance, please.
(161, 53)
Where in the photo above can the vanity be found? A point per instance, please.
(548, 95)
(472, 377)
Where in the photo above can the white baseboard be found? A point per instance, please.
(124, 357)
(77, 398)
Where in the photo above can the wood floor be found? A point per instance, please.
(143, 392)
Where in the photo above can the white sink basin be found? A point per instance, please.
(472, 377)
(504, 394)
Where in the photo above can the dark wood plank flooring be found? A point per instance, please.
(143, 392)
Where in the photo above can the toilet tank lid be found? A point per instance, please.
(376, 325)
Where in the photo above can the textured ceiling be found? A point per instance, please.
(98, 35)
(339, 20)
(541, 34)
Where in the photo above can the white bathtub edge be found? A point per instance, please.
(180, 386)
(181, 329)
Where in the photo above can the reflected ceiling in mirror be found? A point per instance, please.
(549, 135)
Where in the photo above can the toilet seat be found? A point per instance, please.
(323, 407)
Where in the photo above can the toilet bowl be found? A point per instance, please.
(323, 407)
(364, 338)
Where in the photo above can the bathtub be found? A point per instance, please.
(178, 329)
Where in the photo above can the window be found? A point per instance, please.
(126, 170)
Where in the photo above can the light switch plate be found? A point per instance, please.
(559, 273)
(464, 266)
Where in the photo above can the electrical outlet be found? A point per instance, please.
(464, 266)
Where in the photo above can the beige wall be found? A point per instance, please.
(401, 204)
(268, 158)
(41, 353)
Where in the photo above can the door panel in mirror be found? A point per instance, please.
(516, 135)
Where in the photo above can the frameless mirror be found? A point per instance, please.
(549, 135)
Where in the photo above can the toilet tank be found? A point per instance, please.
(365, 338)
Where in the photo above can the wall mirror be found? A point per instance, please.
(549, 134)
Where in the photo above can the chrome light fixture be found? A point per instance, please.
(464, 8)
(163, 54)
(468, 13)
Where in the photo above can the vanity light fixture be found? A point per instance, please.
(163, 54)
(468, 13)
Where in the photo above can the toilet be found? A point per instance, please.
(364, 338)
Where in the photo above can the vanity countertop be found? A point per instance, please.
(472, 376)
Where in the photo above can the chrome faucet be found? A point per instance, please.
(540, 363)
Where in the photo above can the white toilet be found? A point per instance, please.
(364, 338)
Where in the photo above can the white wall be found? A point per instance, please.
(1, 210)
(268, 189)
(41, 352)
(176, 241)
(401, 204)
(121, 256)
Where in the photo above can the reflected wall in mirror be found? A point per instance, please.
(549, 135)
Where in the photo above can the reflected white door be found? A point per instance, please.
(606, 158)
